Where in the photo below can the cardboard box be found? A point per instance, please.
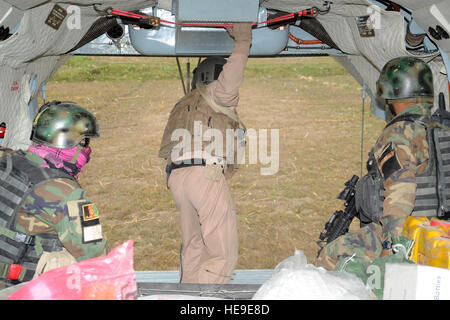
(416, 282)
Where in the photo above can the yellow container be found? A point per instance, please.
(429, 238)
(411, 230)
(431, 241)
(439, 256)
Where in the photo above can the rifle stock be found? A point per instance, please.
(340, 221)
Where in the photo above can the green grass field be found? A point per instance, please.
(313, 102)
(79, 69)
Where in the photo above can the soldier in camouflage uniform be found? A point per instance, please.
(400, 154)
(46, 221)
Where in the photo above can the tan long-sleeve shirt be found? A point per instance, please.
(225, 90)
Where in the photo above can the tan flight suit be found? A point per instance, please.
(208, 219)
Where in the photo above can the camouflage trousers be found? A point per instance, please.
(363, 245)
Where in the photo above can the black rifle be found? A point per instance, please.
(340, 220)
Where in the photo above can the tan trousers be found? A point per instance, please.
(208, 224)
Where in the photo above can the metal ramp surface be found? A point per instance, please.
(165, 285)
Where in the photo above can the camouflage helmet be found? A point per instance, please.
(405, 78)
(63, 125)
(208, 70)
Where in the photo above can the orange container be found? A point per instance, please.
(431, 241)
(437, 222)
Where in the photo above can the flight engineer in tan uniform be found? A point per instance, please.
(197, 175)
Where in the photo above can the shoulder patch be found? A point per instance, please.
(385, 152)
(387, 161)
(92, 229)
(86, 216)
(90, 212)
(73, 208)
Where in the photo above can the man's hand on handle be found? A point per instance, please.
(241, 31)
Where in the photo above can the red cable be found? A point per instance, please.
(279, 19)
(310, 42)
(223, 25)
(300, 41)
(127, 14)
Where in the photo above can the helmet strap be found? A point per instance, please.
(391, 109)
(75, 155)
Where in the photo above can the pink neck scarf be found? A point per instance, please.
(61, 158)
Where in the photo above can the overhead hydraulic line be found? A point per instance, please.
(156, 21)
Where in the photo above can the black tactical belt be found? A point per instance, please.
(187, 163)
